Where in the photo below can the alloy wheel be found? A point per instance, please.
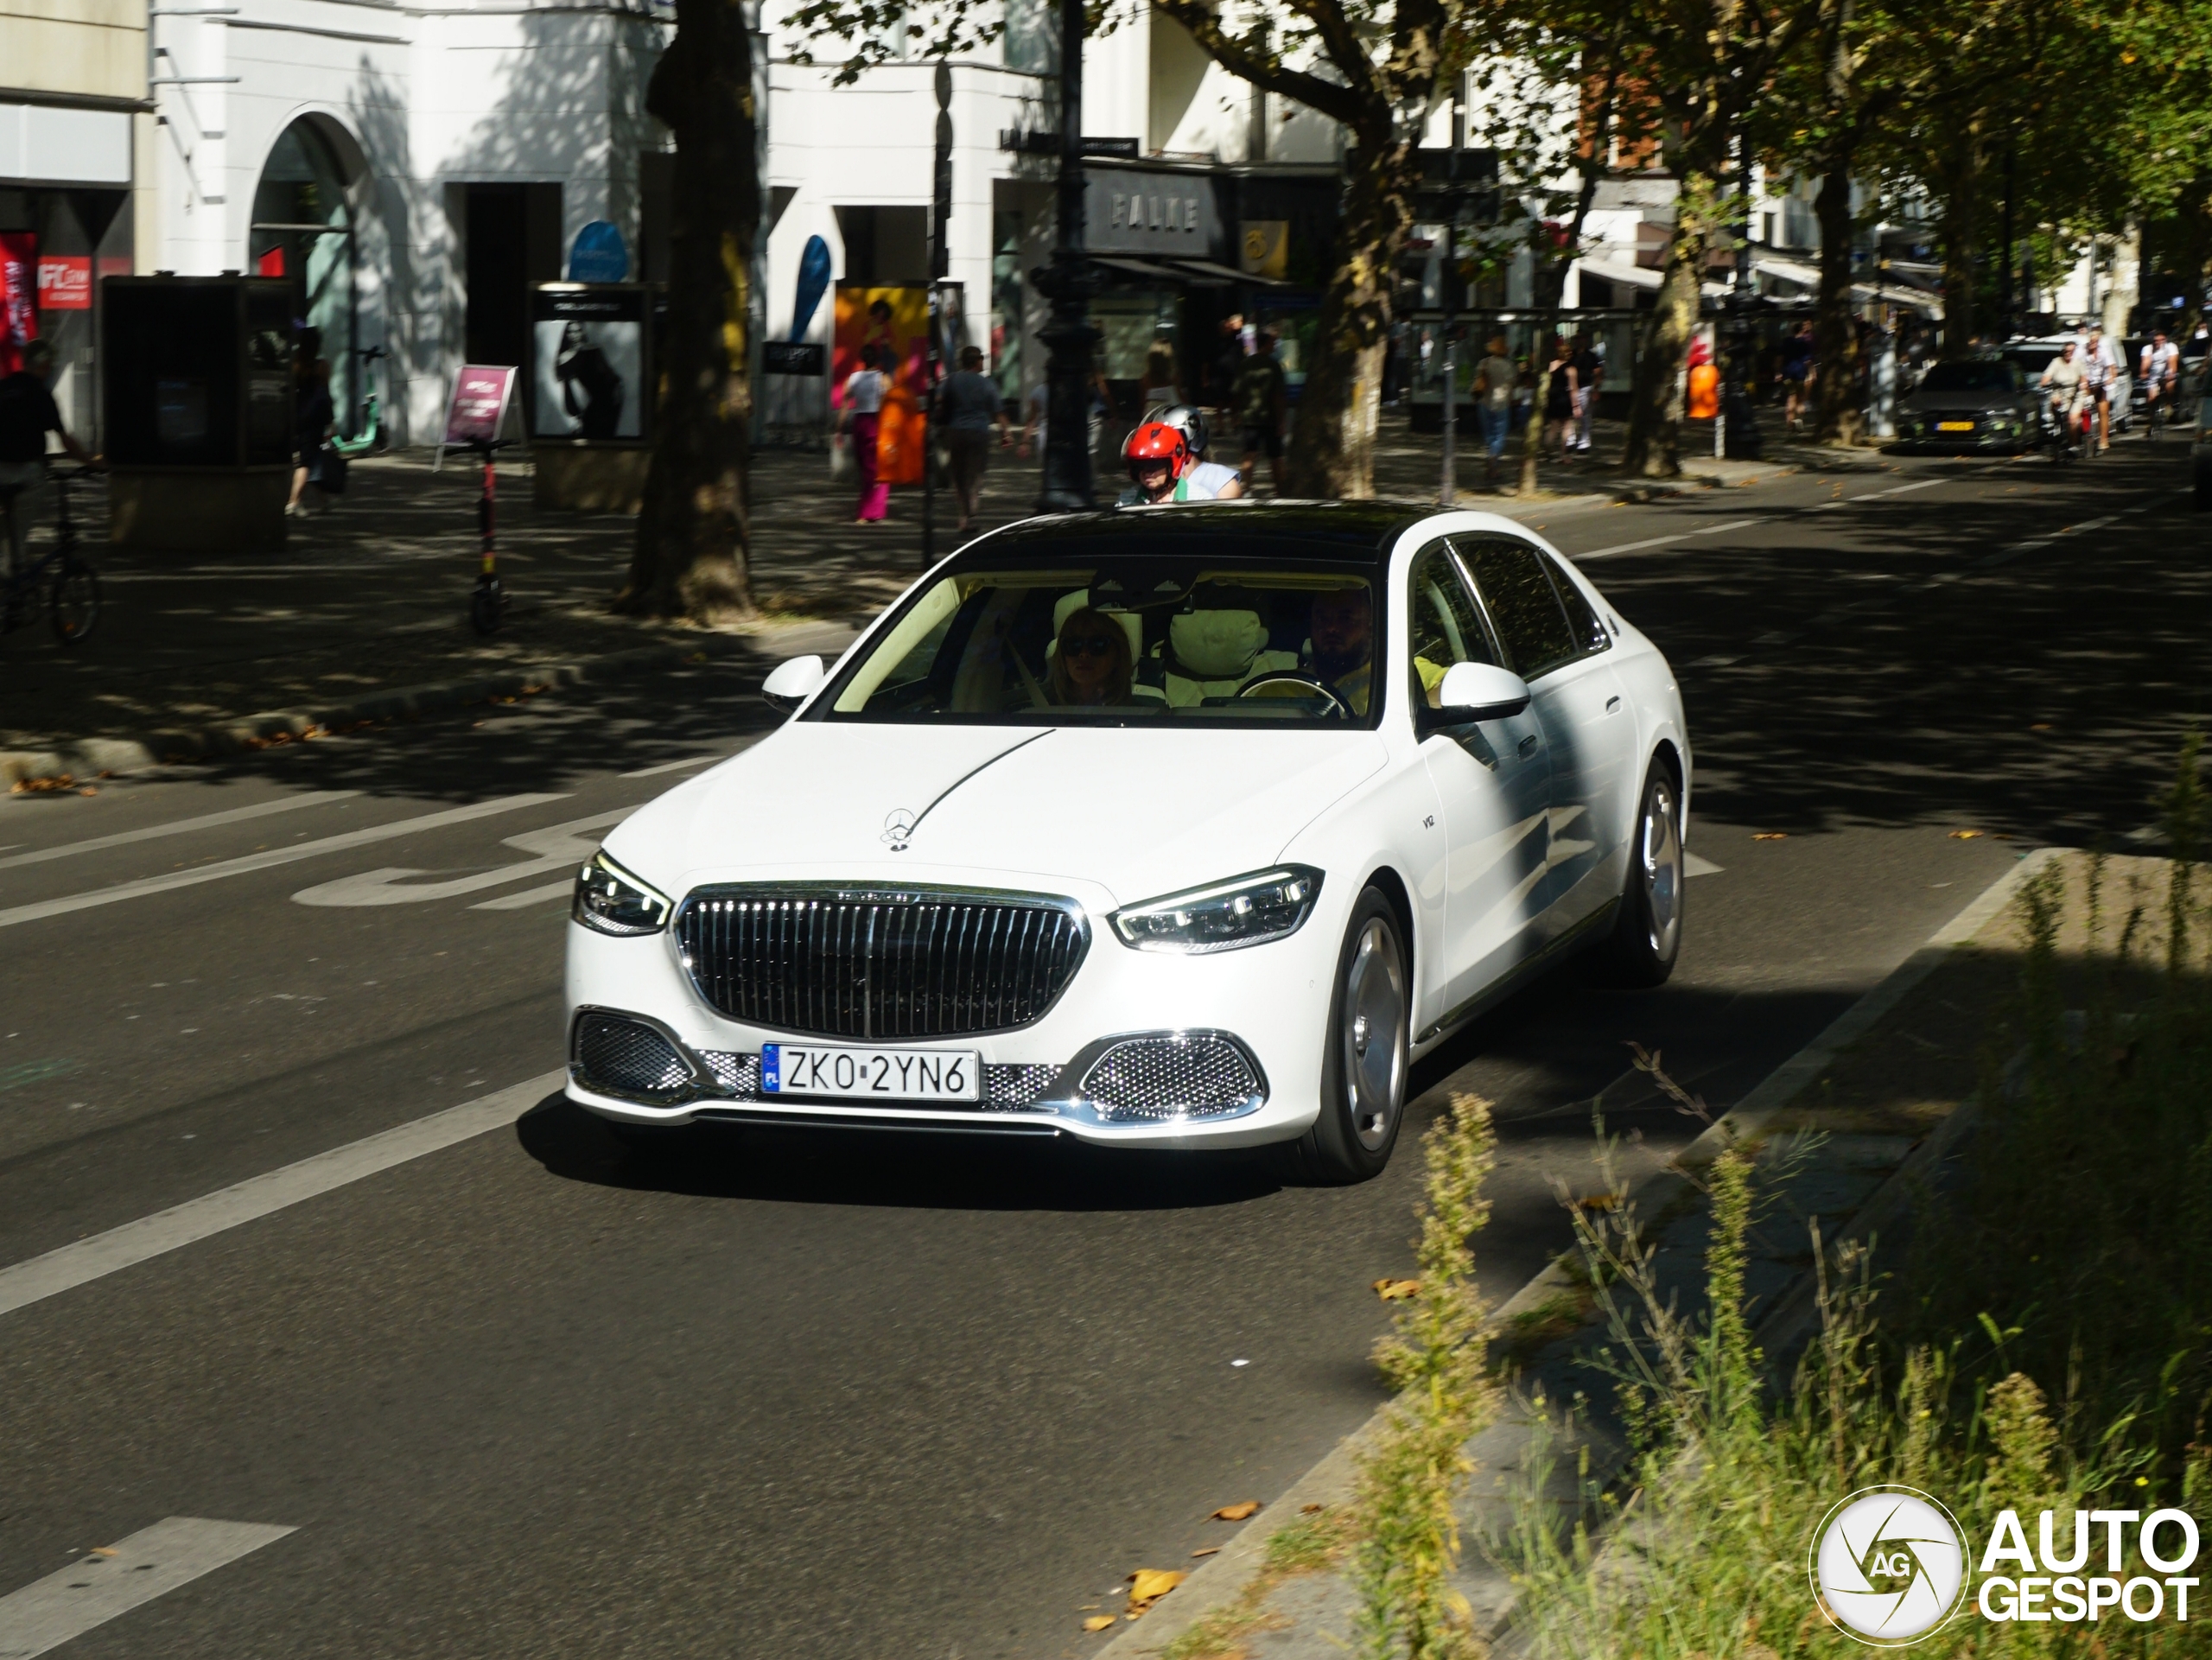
(1375, 1036)
(1659, 858)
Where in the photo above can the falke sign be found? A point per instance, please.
(65, 282)
(1129, 212)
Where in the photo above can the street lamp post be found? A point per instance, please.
(1068, 283)
(1740, 414)
(940, 267)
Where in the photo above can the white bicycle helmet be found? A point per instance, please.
(1190, 422)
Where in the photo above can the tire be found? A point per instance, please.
(1647, 936)
(1364, 1058)
(74, 602)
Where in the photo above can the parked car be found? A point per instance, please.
(1971, 404)
(2033, 356)
(1170, 828)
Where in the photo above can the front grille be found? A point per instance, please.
(1185, 1075)
(913, 963)
(1007, 1088)
(615, 1056)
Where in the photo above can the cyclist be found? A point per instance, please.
(28, 413)
(1161, 467)
(2159, 375)
(2067, 383)
(2100, 368)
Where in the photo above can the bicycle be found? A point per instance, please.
(72, 587)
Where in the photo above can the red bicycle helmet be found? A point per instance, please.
(1155, 441)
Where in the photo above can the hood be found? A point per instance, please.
(1138, 811)
(1927, 403)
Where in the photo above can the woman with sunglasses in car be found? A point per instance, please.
(1091, 663)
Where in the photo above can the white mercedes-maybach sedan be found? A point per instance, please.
(1176, 827)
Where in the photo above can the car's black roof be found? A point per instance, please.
(1253, 530)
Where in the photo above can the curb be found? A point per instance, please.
(90, 757)
(1221, 1579)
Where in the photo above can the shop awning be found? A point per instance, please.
(1143, 268)
(1635, 277)
(1791, 271)
(1207, 270)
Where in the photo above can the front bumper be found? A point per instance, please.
(1263, 1008)
(1922, 438)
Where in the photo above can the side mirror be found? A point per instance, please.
(1481, 692)
(791, 682)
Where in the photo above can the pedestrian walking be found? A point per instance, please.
(969, 406)
(863, 419)
(1260, 395)
(314, 421)
(28, 413)
(1558, 395)
(1589, 374)
(1494, 378)
(1229, 362)
(1796, 372)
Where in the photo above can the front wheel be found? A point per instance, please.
(1647, 933)
(73, 604)
(1365, 1062)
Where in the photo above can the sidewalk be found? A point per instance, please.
(370, 599)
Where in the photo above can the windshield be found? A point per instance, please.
(1165, 639)
(1969, 377)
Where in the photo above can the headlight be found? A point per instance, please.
(1226, 917)
(610, 899)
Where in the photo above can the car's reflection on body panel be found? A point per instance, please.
(1184, 832)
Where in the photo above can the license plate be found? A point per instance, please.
(870, 1074)
(1954, 426)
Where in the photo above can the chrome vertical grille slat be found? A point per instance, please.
(881, 965)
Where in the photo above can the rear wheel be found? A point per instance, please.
(1647, 933)
(1365, 1063)
(73, 604)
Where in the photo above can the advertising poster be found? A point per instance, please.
(65, 282)
(588, 363)
(18, 298)
(479, 398)
(897, 319)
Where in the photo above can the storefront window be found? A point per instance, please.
(303, 230)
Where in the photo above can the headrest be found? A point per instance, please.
(1216, 645)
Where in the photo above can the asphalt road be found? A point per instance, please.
(869, 1396)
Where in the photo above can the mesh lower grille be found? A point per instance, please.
(622, 1056)
(908, 964)
(1006, 1088)
(1193, 1077)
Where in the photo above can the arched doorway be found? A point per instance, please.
(303, 229)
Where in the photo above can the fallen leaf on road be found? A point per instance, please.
(1964, 835)
(2040, 726)
(1769, 835)
(1237, 1512)
(1098, 1622)
(1599, 1202)
(1310, 1510)
(1211, 1550)
(103, 1550)
(1398, 1290)
(1149, 1584)
(86, 789)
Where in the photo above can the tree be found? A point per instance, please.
(693, 537)
(1709, 67)
(1375, 67)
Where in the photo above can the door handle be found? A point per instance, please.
(1528, 746)
(1611, 703)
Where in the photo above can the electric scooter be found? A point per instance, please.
(372, 434)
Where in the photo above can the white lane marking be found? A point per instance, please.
(529, 896)
(206, 821)
(1922, 484)
(1732, 524)
(1630, 547)
(557, 846)
(1694, 866)
(149, 1563)
(674, 765)
(292, 855)
(103, 1254)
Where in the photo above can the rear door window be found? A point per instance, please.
(1523, 604)
(1581, 616)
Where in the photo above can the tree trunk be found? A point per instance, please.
(1839, 417)
(1961, 243)
(693, 537)
(1654, 419)
(2126, 290)
(1332, 443)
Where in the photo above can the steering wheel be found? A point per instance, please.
(1337, 709)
